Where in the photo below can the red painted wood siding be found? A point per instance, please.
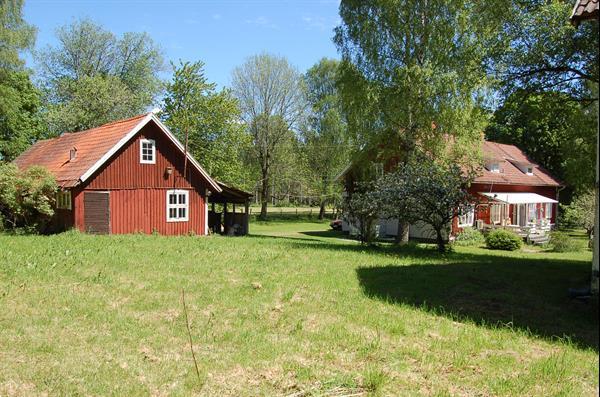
(124, 170)
(138, 191)
(483, 212)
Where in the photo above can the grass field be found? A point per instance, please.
(293, 310)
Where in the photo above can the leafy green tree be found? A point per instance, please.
(26, 197)
(15, 35)
(554, 130)
(325, 135)
(425, 190)
(20, 123)
(414, 75)
(536, 48)
(363, 208)
(211, 121)
(269, 92)
(580, 213)
(90, 59)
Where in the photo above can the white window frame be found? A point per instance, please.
(63, 200)
(548, 211)
(151, 142)
(496, 212)
(494, 167)
(177, 206)
(467, 219)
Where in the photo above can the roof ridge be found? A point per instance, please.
(139, 116)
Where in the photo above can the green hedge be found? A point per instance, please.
(562, 242)
(469, 237)
(501, 239)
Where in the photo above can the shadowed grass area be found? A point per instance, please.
(292, 309)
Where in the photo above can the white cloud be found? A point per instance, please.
(262, 21)
(320, 23)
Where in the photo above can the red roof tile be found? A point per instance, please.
(91, 145)
(509, 157)
(584, 9)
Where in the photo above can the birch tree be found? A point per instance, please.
(269, 92)
(414, 74)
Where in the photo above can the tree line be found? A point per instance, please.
(413, 76)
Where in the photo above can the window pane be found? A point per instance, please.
(182, 199)
(172, 213)
(181, 212)
(172, 199)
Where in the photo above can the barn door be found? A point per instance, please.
(96, 212)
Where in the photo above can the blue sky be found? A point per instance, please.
(220, 33)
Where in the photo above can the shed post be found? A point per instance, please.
(246, 216)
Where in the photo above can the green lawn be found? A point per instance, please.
(293, 310)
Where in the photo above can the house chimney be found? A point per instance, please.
(72, 154)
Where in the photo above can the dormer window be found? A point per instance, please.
(493, 167)
(529, 171)
(147, 151)
(73, 154)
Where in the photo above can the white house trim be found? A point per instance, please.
(152, 142)
(215, 187)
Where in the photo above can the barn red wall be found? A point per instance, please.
(483, 212)
(546, 191)
(138, 191)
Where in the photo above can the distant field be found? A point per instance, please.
(293, 310)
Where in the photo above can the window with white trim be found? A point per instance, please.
(467, 218)
(496, 213)
(178, 209)
(63, 200)
(493, 167)
(548, 211)
(147, 151)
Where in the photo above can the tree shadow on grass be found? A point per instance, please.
(528, 294)
(489, 289)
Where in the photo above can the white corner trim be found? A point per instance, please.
(131, 134)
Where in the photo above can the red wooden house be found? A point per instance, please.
(126, 177)
(511, 191)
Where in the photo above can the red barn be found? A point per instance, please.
(125, 177)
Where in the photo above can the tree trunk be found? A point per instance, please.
(264, 196)
(441, 243)
(322, 210)
(402, 234)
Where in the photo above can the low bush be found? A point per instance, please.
(469, 237)
(501, 239)
(26, 198)
(562, 242)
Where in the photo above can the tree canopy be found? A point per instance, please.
(90, 59)
(20, 124)
(271, 98)
(211, 120)
(325, 134)
(416, 83)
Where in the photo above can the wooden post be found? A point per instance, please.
(246, 208)
(225, 223)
